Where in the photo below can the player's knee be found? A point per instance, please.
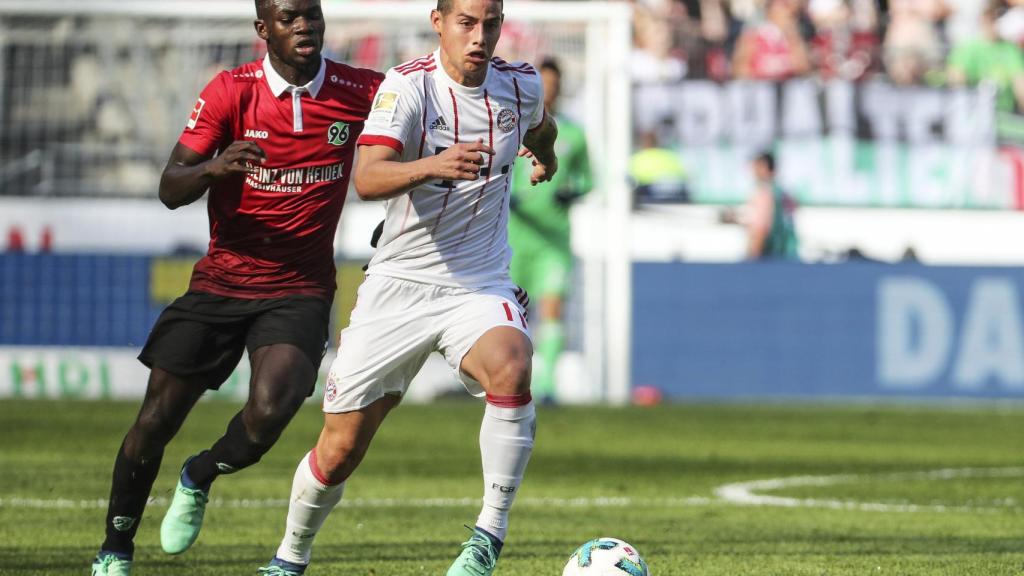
(510, 373)
(339, 455)
(148, 436)
(266, 420)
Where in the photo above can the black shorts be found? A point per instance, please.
(200, 336)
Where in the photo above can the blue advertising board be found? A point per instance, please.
(75, 300)
(859, 329)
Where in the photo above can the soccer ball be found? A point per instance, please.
(606, 557)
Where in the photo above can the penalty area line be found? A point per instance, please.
(748, 493)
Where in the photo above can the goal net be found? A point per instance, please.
(93, 95)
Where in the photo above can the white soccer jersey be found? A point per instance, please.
(452, 233)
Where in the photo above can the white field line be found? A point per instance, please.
(740, 493)
(101, 503)
(746, 493)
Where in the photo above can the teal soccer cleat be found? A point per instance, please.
(278, 567)
(184, 519)
(479, 555)
(107, 564)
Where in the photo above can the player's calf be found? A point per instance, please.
(506, 442)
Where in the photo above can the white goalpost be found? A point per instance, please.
(94, 93)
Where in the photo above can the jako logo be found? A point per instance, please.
(250, 133)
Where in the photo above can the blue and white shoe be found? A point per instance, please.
(278, 567)
(479, 555)
(111, 564)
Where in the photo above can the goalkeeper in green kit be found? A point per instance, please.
(539, 235)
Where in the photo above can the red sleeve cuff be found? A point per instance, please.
(377, 140)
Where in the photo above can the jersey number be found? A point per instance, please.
(485, 171)
(510, 318)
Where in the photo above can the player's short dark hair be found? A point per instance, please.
(550, 63)
(445, 6)
(261, 8)
(768, 159)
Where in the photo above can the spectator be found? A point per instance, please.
(773, 49)
(655, 65)
(989, 58)
(768, 215)
(845, 41)
(654, 59)
(912, 45)
(657, 172)
(715, 23)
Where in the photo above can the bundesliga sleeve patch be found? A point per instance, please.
(384, 106)
(191, 124)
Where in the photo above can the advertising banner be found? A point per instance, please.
(100, 373)
(861, 330)
(838, 143)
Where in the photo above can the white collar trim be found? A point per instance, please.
(279, 85)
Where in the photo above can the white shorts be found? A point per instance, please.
(397, 323)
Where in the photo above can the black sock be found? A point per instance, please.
(129, 491)
(232, 452)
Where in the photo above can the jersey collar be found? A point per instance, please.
(279, 85)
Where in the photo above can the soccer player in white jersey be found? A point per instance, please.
(437, 148)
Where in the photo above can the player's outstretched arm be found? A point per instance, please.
(188, 174)
(539, 144)
(380, 174)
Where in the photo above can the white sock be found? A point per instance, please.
(506, 441)
(312, 500)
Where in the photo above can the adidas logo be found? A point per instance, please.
(439, 124)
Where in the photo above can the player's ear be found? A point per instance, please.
(261, 29)
(435, 20)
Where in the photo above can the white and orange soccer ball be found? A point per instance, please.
(606, 557)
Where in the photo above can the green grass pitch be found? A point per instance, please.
(651, 476)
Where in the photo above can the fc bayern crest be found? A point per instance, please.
(506, 120)
(331, 391)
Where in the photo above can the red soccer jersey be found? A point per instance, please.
(272, 233)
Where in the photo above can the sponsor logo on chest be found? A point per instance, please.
(253, 133)
(291, 180)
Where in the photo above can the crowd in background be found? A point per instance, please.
(906, 42)
(69, 129)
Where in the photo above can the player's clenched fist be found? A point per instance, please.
(542, 171)
(461, 161)
(240, 156)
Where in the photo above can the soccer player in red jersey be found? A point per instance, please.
(273, 142)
